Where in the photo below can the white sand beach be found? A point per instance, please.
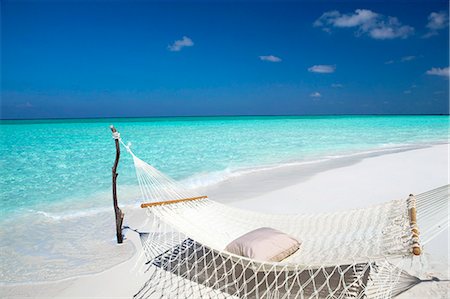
(336, 184)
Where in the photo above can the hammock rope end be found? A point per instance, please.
(415, 246)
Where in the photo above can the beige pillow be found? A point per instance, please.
(264, 244)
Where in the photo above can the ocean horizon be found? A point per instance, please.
(68, 119)
(56, 174)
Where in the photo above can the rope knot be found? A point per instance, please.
(116, 135)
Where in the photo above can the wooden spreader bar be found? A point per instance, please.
(416, 249)
(168, 202)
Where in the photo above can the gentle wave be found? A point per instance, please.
(72, 214)
(129, 197)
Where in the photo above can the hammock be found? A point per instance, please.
(359, 253)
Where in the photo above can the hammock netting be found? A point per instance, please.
(359, 253)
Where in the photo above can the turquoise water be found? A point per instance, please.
(55, 172)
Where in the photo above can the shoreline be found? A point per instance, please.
(263, 187)
(292, 173)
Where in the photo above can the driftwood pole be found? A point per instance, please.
(117, 210)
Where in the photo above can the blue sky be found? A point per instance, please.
(104, 59)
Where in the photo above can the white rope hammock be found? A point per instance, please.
(350, 254)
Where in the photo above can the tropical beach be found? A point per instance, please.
(318, 181)
(224, 149)
(126, 278)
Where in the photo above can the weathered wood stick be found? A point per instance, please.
(118, 212)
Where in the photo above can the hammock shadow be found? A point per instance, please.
(193, 263)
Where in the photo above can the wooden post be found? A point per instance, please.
(117, 210)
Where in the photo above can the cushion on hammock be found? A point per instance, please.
(264, 244)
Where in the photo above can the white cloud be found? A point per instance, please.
(180, 44)
(270, 58)
(337, 85)
(366, 22)
(403, 59)
(407, 91)
(315, 95)
(430, 34)
(436, 21)
(323, 69)
(361, 17)
(390, 29)
(407, 58)
(437, 71)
